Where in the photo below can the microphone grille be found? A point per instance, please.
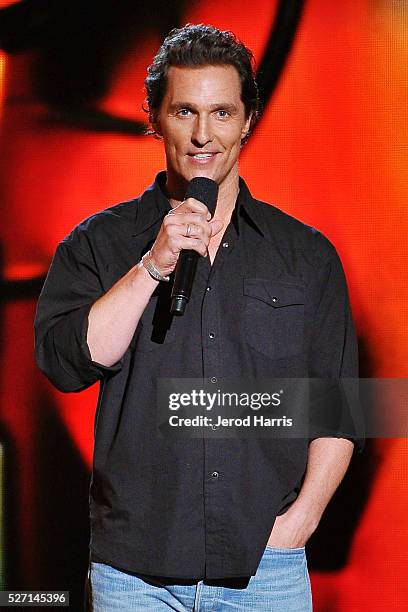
(205, 190)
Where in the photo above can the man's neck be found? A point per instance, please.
(227, 198)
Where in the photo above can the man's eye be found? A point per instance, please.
(184, 112)
(222, 113)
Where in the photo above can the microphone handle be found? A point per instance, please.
(183, 281)
(205, 190)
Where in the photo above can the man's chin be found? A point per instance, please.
(202, 172)
(177, 183)
(205, 172)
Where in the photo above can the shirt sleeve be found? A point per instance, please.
(334, 349)
(61, 322)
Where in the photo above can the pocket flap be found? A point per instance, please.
(274, 293)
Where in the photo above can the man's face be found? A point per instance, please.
(202, 121)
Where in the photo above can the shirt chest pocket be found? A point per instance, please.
(273, 317)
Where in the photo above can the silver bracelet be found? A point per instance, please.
(152, 270)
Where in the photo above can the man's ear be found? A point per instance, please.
(247, 125)
(154, 120)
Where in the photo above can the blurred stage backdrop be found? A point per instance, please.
(331, 149)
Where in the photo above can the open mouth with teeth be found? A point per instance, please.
(202, 157)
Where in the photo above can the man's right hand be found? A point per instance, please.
(187, 226)
(109, 335)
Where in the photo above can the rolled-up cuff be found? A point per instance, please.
(64, 354)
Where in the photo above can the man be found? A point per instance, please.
(176, 524)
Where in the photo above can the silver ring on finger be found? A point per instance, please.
(188, 230)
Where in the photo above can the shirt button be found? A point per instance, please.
(211, 335)
(209, 288)
(213, 379)
(274, 299)
(225, 245)
(214, 474)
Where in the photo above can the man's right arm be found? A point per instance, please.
(72, 286)
(111, 323)
(82, 333)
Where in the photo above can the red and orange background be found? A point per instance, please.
(331, 150)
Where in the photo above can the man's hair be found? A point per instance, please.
(202, 45)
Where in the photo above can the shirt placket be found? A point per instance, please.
(217, 535)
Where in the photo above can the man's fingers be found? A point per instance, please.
(197, 231)
(186, 217)
(192, 205)
(182, 243)
(188, 224)
(187, 228)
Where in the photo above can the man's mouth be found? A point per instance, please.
(202, 157)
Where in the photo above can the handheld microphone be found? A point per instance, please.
(206, 191)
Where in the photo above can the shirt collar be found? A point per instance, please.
(153, 205)
(249, 209)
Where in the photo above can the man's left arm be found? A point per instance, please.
(333, 355)
(328, 460)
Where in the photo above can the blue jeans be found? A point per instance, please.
(281, 584)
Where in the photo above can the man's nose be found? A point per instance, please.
(202, 132)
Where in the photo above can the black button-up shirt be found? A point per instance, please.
(273, 304)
